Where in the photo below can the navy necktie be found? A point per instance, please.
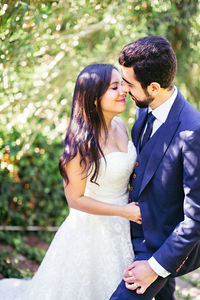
(148, 130)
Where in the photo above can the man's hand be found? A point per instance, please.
(139, 276)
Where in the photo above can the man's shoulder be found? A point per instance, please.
(189, 114)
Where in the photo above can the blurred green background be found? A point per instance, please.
(44, 45)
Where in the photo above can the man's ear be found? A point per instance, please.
(95, 102)
(153, 89)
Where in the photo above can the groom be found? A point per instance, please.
(166, 179)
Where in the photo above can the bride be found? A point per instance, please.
(91, 249)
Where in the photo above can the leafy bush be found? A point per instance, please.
(31, 188)
(7, 269)
(16, 241)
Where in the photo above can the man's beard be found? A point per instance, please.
(143, 103)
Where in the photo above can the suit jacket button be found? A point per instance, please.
(131, 188)
(134, 175)
(137, 164)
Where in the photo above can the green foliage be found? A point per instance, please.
(31, 187)
(44, 46)
(45, 236)
(7, 269)
(15, 240)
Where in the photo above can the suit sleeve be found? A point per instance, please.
(178, 246)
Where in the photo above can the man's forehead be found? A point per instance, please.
(128, 74)
(127, 71)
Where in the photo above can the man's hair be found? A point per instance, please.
(152, 59)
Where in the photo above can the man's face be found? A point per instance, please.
(132, 86)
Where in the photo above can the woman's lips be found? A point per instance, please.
(122, 100)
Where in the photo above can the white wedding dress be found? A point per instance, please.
(88, 254)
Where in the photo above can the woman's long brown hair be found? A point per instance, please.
(87, 120)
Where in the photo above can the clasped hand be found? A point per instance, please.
(139, 276)
(132, 212)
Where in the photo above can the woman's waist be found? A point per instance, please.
(112, 198)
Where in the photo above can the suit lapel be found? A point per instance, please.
(161, 141)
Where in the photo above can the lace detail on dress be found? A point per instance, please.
(88, 254)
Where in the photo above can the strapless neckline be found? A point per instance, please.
(120, 152)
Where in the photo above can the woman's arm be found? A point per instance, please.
(74, 193)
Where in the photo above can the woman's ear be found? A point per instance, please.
(153, 89)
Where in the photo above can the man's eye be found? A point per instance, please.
(114, 88)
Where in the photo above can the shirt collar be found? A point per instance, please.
(161, 112)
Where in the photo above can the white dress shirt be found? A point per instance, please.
(161, 113)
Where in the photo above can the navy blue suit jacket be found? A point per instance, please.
(169, 193)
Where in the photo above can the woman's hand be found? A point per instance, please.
(132, 212)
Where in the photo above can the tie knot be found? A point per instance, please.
(150, 118)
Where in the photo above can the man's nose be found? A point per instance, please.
(122, 92)
(125, 88)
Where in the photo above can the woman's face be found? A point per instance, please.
(113, 101)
